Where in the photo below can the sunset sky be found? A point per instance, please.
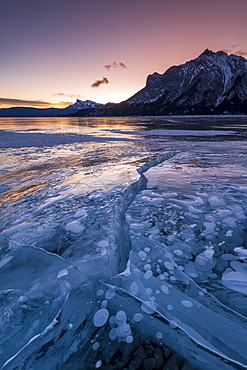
(53, 51)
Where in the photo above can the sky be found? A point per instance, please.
(53, 52)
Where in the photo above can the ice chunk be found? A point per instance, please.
(230, 222)
(209, 226)
(228, 257)
(241, 252)
(204, 261)
(224, 213)
(81, 214)
(75, 227)
(156, 161)
(52, 200)
(103, 243)
(215, 202)
(4, 261)
(62, 273)
(18, 228)
(235, 281)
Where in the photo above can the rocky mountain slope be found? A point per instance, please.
(213, 83)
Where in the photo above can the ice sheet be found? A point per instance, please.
(108, 248)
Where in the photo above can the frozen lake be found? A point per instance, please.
(123, 243)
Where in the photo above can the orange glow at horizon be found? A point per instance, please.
(54, 65)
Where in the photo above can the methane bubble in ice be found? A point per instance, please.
(95, 346)
(113, 334)
(168, 255)
(129, 339)
(112, 320)
(120, 316)
(110, 293)
(159, 335)
(148, 274)
(100, 317)
(100, 292)
(147, 267)
(147, 249)
(138, 317)
(142, 255)
(170, 307)
(186, 303)
(169, 265)
(98, 364)
(134, 288)
(178, 252)
(164, 289)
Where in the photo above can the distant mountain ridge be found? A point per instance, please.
(48, 112)
(213, 83)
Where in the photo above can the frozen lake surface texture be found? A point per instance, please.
(123, 243)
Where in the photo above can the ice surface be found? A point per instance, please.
(108, 247)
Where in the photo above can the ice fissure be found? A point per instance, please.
(120, 225)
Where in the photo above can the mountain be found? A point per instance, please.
(86, 104)
(48, 112)
(213, 83)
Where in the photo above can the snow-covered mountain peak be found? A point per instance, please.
(86, 104)
(208, 80)
(206, 53)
